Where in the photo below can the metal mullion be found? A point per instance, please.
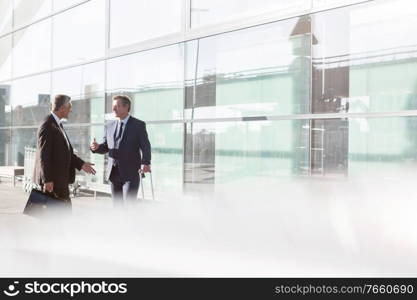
(185, 17)
(410, 113)
(216, 29)
(310, 136)
(225, 26)
(107, 28)
(107, 49)
(168, 40)
(41, 19)
(51, 82)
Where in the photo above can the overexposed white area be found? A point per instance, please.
(257, 227)
(133, 21)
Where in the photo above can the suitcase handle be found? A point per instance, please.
(141, 184)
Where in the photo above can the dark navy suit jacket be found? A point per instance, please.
(134, 148)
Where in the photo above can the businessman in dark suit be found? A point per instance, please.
(126, 141)
(55, 161)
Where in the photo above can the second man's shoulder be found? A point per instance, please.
(47, 122)
(136, 121)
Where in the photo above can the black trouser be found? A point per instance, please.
(63, 194)
(123, 191)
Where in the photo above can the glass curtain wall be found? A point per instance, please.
(288, 99)
(368, 69)
(252, 73)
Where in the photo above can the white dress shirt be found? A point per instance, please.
(58, 120)
(124, 121)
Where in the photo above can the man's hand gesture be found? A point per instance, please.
(87, 167)
(94, 145)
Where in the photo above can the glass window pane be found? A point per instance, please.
(30, 99)
(329, 147)
(231, 151)
(372, 66)
(134, 21)
(81, 138)
(99, 161)
(167, 157)
(63, 4)
(6, 15)
(85, 86)
(154, 80)
(29, 11)
(21, 138)
(78, 34)
(6, 57)
(259, 71)
(363, 147)
(5, 108)
(205, 12)
(5, 147)
(32, 49)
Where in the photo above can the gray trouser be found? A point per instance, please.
(123, 191)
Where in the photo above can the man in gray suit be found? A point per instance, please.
(126, 141)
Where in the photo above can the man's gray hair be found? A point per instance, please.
(60, 100)
(126, 101)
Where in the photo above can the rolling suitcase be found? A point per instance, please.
(142, 177)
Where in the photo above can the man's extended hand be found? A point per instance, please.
(87, 167)
(94, 145)
(49, 186)
(146, 169)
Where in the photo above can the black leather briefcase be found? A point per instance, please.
(44, 204)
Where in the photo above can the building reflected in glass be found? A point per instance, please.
(229, 91)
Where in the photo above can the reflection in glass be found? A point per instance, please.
(32, 49)
(259, 71)
(85, 86)
(6, 57)
(133, 21)
(167, 156)
(364, 147)
(5, 151)
(81, 138)
(30, 99)
(21, 138)
(204, 12)
(29, 11)
(5, 111)
(228, 151)
(329, 147)
(153, 79)
(371, 67)
(78, 34)
(383, 147)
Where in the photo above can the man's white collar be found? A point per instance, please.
(58, 120)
